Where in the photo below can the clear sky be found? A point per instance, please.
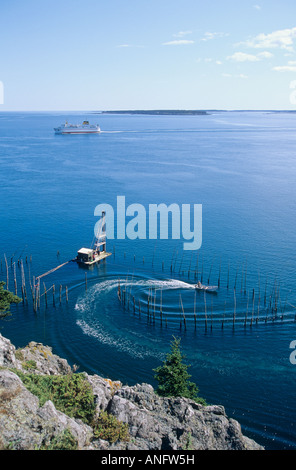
(140, 54)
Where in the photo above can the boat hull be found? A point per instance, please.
(98, 258)
(212, 289)
(64, 132)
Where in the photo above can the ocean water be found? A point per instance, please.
(241, 167)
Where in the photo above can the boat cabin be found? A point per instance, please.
(85, 255)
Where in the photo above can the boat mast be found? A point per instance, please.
(101, 234)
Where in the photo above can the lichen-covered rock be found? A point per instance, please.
(103, 390)
(176, 423)
(38, 358)
(154, 422)
(7, 353)
(26, 426)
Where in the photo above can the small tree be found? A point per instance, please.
(173, 378)
(6, 298)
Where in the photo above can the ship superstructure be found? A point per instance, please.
(84, 128)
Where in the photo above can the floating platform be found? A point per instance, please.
(87, 256)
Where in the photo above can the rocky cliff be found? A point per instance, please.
(153, 422)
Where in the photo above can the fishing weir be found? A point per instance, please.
(230, 304)
(86, 257)
(180, 296)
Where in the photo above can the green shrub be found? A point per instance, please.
(27, 365)
(108, 428)
(71, 394)
(64, 441)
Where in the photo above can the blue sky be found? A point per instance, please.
(164, 54)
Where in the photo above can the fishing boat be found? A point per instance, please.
(200, 286)
(84, 128)
(98, 252)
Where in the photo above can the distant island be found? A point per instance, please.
(159, 112)
(185, 112)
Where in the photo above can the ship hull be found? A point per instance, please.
(64, 132)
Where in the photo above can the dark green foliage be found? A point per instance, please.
(71, 394)
(64, 441)
(6, 298)
(107, 427)
(173, 378)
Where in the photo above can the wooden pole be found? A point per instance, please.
(234, 310)
(119, 291)
(235, 278)
(196, 269)
(201, 269)
(246, 277)
(265, 293)
(45, 294)
(194, 309)
(247, 309)
(258, 297)
(15, 283)
(206, 318)
(219, 274)
(154, 305)
(153, 254)
(184, 318)
(181, 262)
(210, 272)
(189, 269)
(175, 261)
(253, 308)
(172, 260)
(160, 311)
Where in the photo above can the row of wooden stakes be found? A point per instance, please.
(251, 315)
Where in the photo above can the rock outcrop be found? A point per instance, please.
(154, 422)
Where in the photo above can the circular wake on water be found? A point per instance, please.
(170, 303)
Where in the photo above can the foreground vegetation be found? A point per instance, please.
(6, 299)
(72, 394)
(173, 378)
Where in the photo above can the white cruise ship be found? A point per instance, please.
(84, 128)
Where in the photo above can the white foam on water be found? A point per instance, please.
(92, 325)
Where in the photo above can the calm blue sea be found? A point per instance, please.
(241, 167)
